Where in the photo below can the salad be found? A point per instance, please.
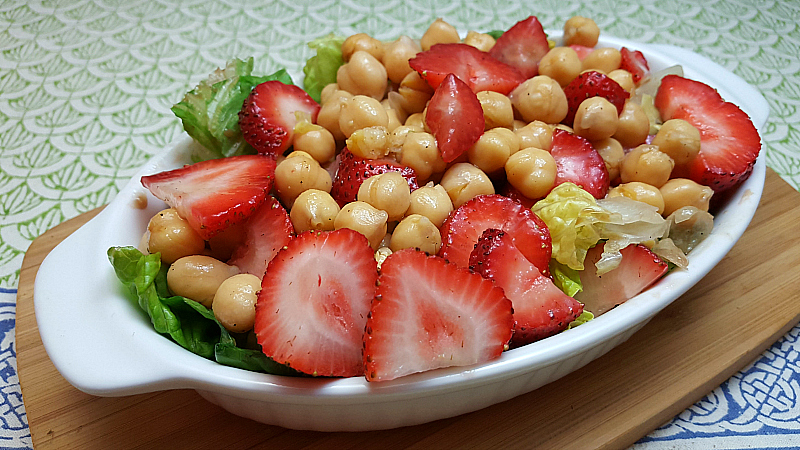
(428, 203)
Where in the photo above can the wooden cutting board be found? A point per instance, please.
(746, 303)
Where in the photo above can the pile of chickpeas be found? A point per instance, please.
(376, 109)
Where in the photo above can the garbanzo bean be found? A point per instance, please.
(532, 171)
(540, 98)
(330, 111)
(561, 64)
(595, 119)
(603, 59)
(414, 93)
(421, 154)
(581, 31)
(612, 153)
(432, 202)
(536, 134)
(297, 173)
(642, 192)
(369, 142)
(440, 32)
(314, 210)
(173, 237)
(363, 75)
(679, 139)
(364, 42)
(364, 218)
(493, 148)
(416, 121)
(396, 55)
(633, 127)
(327, 92)
(481, 41)
(497, 110)
(388, 192)
(416, 231)
(315, 140)
(463, 182)
(623, 78)
(680, 192)
(646, 163)
(235, 302)
(361, 111)
(197, 277)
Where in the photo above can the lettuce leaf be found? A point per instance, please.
(566, 278)
(320, 70)
(582, 319)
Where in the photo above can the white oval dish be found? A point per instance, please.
(104, 345)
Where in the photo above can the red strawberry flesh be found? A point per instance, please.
(593, 84)
(522, 46)
(577, 161)
(634, 62)
(352, 171)
(455, 117)
(267, 231)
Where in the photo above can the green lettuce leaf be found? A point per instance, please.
(495, 33)
(566, 278)
(320, 70)
(582, 319)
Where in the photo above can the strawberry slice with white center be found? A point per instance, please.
(478, 69)
(215, 194)
(314, 301)
(267, 231)
(429, 314)
(269, 114)
(464, 226)
(522, 46)
(540, 308)
(729, 142)
(634, 62)
(638, 269)
(577, 161)
(455, 117)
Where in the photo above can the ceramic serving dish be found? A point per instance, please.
(103, 345)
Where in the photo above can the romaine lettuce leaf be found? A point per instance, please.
(566, 278)
(582, 319)
(320, 70)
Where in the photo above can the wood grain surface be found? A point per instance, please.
(695, 344)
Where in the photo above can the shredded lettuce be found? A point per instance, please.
(582, 319)
(495, 33)
(320, 70)
(566, 278)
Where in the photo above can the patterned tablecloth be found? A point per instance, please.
(86, 87)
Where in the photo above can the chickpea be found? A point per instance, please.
(612, 153)
(369, 142)
(297, 173)
(540, 98)
(532, 171)
(679, 139)
(416, 121)
(327, 92)
(642, 192)
(493, 148)
(432, 202)
(646, 163)
(623, 78)
(680, 192)
(440, 32)
(364, 218)
(361, 112)
(497, 110)
(463, 182)
(363, 42)
(536, 134)
(581, 31)
(388, 192)
(596, 119)
(518, 124)
(396, 55)
(561, 126)
(314, 210)
(414, 93)
(421, 154)
(397, 139)
(633, 127)
(561, 64)
(173, 237)
(197, 277)
(394, 118)
(315, 140)
(235, 302)
(330, 111)
(481, 41)
(363, 75)
(604, 60)
(416, 231)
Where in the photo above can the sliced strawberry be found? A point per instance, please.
(634, 62)
(429, 314)
(540, 308)
(582, 50)
(265, 233)
(215, 194)
(474, 67)
(729, 143)
(314, 302)
(522, 46)
(352, 171)
(508, 190)
(455, 117)
(638, 269)
(593, 84)
(577, 161)
(267, 118)
(464, 226)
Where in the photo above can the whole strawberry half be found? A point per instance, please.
(429, 314)
(464, 226)
(729, 142)
(478, 69)
(634, 62)
(352, 171)
(577, 161)
(267, 231)
(593, 84)
(638, 269)
(314, 301)
(268, 116)
(455, 117)
(522, 46)
(540, 308)
(215, 194)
